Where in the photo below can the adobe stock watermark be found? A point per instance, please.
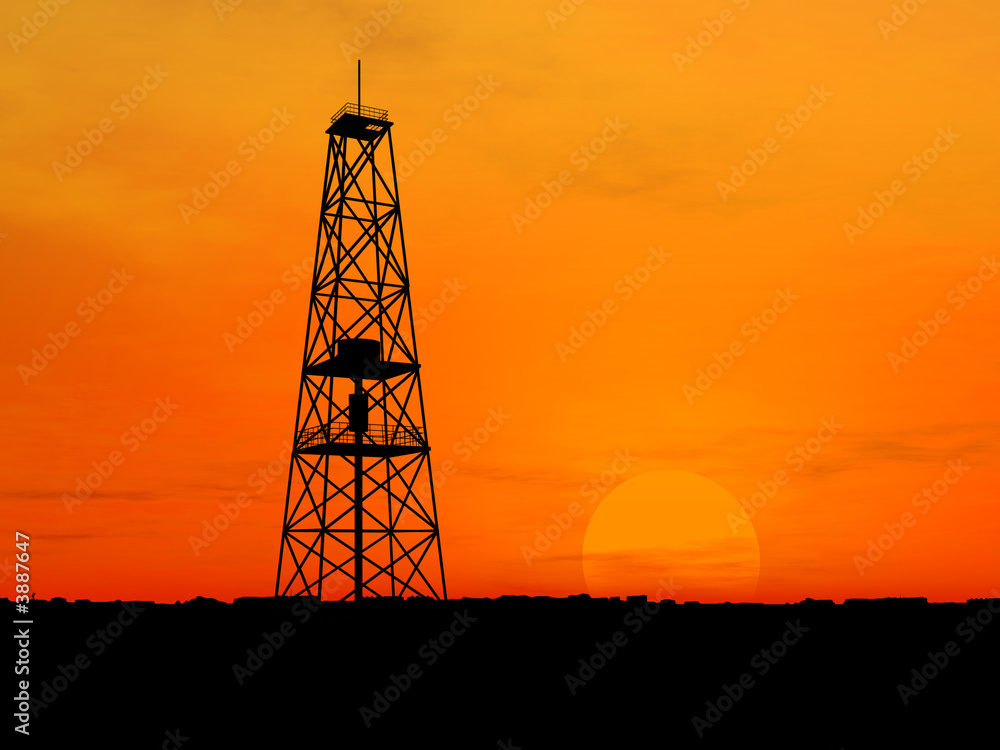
(752, 329)
(593, 490)
(224, 7)
(123, 107)
(173, 739)
(247, 324)
(97, 643)
(704, 39)
(796, 459)
(786, 126)
(915, 167)
(7, 569)
(131, 439)
(901, 13)
(581, 158)
(87, 310)
(922, 501)
(563, 11)
(465, 448)
(428, 313)
(455, 116)
(635, 620)
(958, 296)
(365, 33)
(761, 663)
(429, 653)
(248, 149)
(967, 630)
(32, 24)
(260, 479)
(303, 609)
(625, 288)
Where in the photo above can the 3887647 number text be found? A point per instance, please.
(22, 580)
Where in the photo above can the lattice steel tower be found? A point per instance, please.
(360, 499)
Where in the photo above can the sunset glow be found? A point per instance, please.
(751, 244)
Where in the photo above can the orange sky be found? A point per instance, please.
(864, 100)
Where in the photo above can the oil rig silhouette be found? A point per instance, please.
(360, 499)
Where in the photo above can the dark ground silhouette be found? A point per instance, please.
(513, 672)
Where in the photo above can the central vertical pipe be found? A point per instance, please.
(359, 87)
(358, 497)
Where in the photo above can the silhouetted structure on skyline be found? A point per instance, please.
(360, 499)
(515, 672)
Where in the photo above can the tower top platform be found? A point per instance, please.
(355, 121)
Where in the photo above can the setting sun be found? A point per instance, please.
(668, 534)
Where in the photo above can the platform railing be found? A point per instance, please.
(376, 434)
(360, 111)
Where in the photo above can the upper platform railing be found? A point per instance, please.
(359, 111)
